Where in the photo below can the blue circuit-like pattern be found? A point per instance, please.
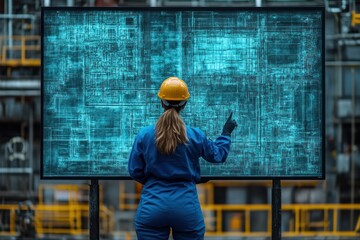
(102, 70)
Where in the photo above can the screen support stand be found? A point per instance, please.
(94, 210)
(276, 210)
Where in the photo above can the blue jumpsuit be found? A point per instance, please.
(169, 198)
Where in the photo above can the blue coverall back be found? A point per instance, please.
(169, 198)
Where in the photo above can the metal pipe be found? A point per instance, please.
(257, 3)
(16, 93)
(352, 195)
(4, 32)
(342, 63)
(339, 58)
(70, 3)
(19, 170)
(342, 36)
(347, 42)
(20, 84)
(276, 210)
(33, 26)
(94, 232)
(153, 3)
(10, 26)
(336, 198)
(194, 3)
(338, 84)
(17, 16)
(31, 145)
(47, 3)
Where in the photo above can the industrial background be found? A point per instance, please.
(34, 208)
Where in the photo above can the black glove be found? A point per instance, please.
(229, 126)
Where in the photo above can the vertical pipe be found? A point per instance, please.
(32, 26)
(276, 210)
(47, 3)
(352, 196)
(5, 21)
(94, 210)
(153, 3)
(70, 3)
(31, 146)
(338, 80)
(23, 48)
(258, 3)
(297, 220)
(335, 217)
(343, 4)
(10, 27)
(247, 222)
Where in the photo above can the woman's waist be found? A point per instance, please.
(152, 180)
(168, 185)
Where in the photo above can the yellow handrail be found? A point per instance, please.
(69, 219)
(300, 225)
(15, 54)
(58, 219)
(8, 227)
(71, 193)
(126, 196)
(130, 191)
(355, 18)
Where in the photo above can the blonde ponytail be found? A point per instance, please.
(170, 131)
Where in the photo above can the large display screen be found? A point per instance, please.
(102, 69)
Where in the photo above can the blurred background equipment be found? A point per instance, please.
(25, 219)
(313, 209)
(16, 149)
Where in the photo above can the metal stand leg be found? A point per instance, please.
(94, 210)
(276, 210)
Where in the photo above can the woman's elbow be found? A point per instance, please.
(138, 177)
(224, 155)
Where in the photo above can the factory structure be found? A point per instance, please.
(34, 208)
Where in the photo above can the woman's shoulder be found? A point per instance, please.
(195, 131)
(147, 130)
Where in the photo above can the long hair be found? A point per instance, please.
(170, 131)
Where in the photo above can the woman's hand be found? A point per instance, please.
(229, 126)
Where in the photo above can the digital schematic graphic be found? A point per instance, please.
(102, 70)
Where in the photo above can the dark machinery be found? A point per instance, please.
(25, 220)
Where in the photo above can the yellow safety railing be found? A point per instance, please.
(65, 194)
(300, 221)
(239, 222)
(8, 219)
(300, 224)
(129, 198)
(355, 18)
(57, 219)
(17, 51)
(130, 191)
(73, 220)
(328, 225)
(262, 183)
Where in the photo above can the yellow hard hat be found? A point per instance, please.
(173, 88)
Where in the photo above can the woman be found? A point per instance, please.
(165, 159)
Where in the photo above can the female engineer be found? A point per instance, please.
(165, 159)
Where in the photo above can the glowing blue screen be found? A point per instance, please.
(102, 70)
